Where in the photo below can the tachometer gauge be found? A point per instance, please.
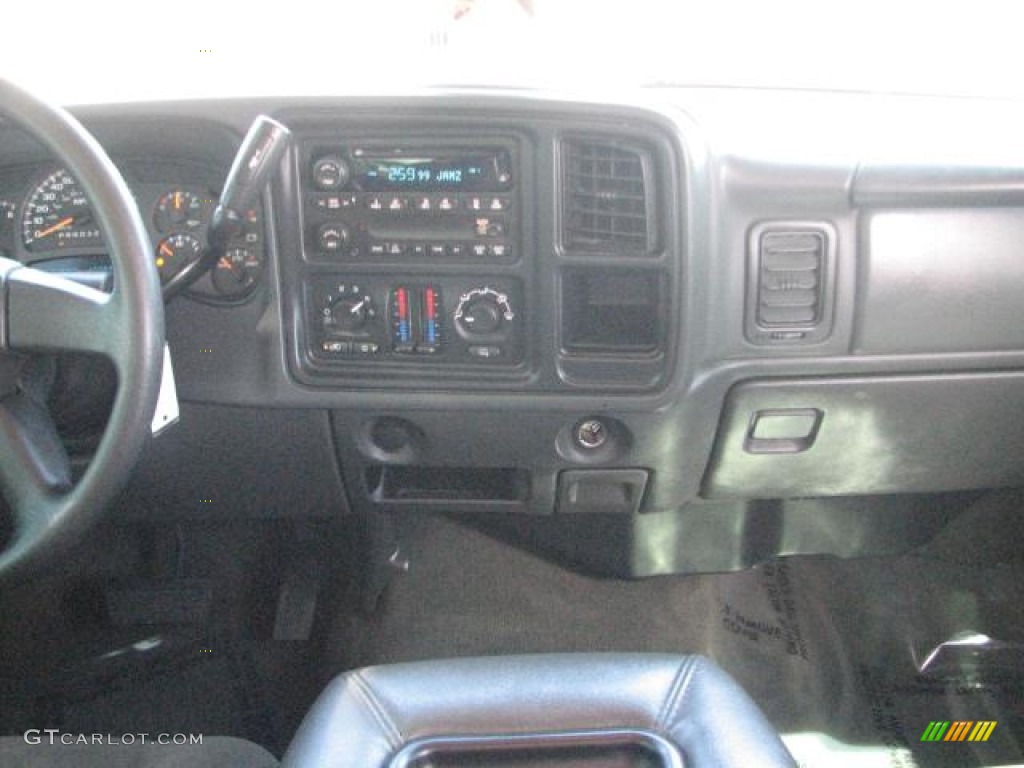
(178, 209)
(57, 216)
(174, 252)
(237, 272)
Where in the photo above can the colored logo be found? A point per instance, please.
(958, 730)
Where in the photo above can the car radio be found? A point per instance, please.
(372, 202)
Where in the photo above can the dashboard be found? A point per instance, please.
(664, 309)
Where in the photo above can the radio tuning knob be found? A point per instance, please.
(332, 238)
(330, 173)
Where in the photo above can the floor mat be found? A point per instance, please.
(161, 683)
(168, 629)
(830, 649)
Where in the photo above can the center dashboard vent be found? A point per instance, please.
(608, 197)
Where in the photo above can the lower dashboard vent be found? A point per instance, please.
(608, 199)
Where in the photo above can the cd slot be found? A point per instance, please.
(461, 228)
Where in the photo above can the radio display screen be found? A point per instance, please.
(427, 171)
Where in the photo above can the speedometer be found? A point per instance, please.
(57, 216)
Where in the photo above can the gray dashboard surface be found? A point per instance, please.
(923, 195)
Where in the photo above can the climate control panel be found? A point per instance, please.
(415, 319)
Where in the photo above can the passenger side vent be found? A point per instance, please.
(791, 282)
(790, 279)
(608, 197)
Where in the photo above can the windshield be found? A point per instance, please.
(112, 50)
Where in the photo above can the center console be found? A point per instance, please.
(451, 279)
(413, 259)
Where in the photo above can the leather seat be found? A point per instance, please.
(364, 718)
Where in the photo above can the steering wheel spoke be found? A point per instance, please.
(34, 467)
(46, 312)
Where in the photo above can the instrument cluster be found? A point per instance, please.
(46, 220)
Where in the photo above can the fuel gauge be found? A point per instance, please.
(237, 272)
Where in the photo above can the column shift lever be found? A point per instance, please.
(251, 169)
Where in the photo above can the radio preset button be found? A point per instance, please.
(458, 250)
(438, 250)
(333, 202)
(480, 250)
(447, 203)
(419, 249)
(378, 249)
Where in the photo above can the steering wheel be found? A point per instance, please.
(41, 313)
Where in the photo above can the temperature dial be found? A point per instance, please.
(483, 312)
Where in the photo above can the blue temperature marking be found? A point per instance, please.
(432, 331)
(403, 331)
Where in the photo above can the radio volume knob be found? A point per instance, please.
(330, 173)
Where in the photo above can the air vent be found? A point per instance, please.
(790, 278)
(608, 197)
